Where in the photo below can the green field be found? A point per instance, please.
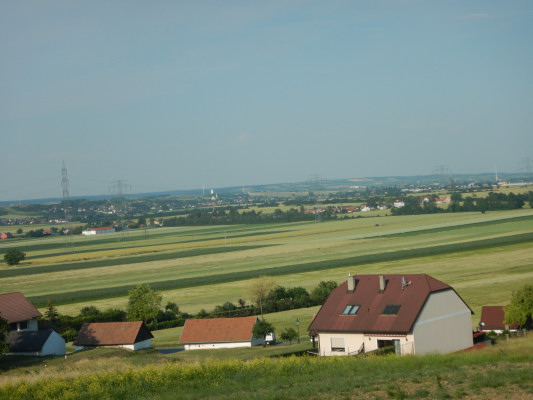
(483, 256)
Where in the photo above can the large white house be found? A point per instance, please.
(415, 313)
(98, 231)
(218, 333)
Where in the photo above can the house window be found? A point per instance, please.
(391, 309)
(23, 325)
(350, 309)
(337, 344)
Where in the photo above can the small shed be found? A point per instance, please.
(35, 343)
(492, 319)
(129, 335)
(218, 333)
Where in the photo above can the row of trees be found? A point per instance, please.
(144, 304)
(492, 202)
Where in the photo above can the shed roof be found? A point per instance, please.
(27, 341)
(393, 310)
(112, 333)
(492, 318)
(218, 330)
(14, 307)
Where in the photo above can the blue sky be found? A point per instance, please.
(170, 95)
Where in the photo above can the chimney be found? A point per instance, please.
(351, 283)
(381, 283)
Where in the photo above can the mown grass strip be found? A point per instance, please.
(456, 227)
(136, 246)
(130, 238)
(8, 273)
(119, 291)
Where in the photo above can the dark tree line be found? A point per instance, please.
(492, 202)
(221, 216)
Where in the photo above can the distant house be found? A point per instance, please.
(365, 208)
(6, 235)
(415, 313)
(445, 200)
(129, 335)
(98, 231)
(398, 204)
(19, 312)
(217, 333)
(492, 320)
(35, 343)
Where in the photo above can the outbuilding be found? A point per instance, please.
(129, 335)
(218, 333)
(35, 343)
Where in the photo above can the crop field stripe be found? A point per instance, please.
(151, 245)
(8, 273)
(139, 236)
(119, 291)
(456, 227)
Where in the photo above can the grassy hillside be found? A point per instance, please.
(498, 372)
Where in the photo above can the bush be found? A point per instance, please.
(14, 256)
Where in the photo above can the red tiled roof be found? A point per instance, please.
(104, 228)
(112, 333)
(370, 318)
(218, 330)
(14, 307)
(493, 316)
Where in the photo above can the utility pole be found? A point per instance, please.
(66, 203)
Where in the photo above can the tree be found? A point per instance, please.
(258, 290)
(51, 313)
(143, 303)
(288, 334)
(14, 256)
(322, 291)
(4, 328)
(262, 328)
(521, 308)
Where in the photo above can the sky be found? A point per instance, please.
(176, 95)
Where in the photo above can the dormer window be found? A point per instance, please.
(391, 309)
(350, 309)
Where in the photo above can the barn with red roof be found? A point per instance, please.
(217, 333)
(415, 313)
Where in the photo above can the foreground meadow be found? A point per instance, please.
(502, 371)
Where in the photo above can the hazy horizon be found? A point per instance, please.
(183, 95)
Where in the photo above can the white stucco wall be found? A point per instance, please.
(145, 344)
(354, 341)
(444, 324)
(223, 345)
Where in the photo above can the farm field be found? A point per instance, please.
(483, 256)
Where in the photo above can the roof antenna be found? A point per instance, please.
(405, 283)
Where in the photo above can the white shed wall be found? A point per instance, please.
(444, 324)
(55, 345)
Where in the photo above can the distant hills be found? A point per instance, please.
(315, 184)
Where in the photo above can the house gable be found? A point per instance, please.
(45, 342)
